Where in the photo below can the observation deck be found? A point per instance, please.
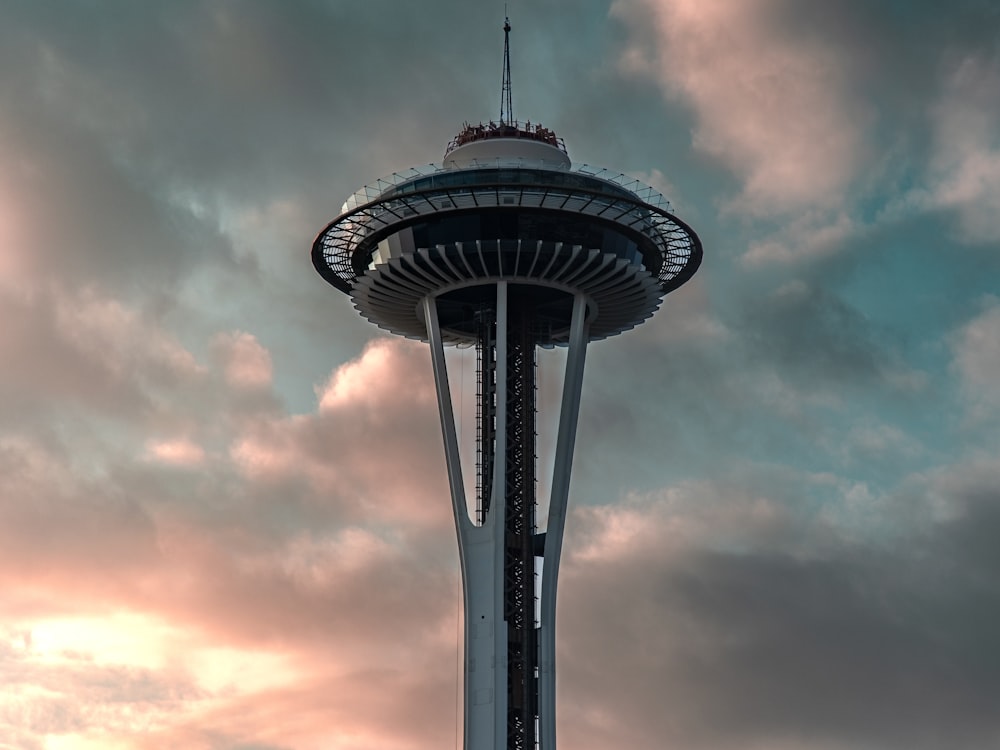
(506, 204)
(519, 130)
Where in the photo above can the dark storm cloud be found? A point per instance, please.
(846, 643)
(771, 374)
(901, 44)
(813, 338)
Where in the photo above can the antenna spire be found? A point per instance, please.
(506, 108)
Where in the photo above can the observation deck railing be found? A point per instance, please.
(624, 200)
(375, 190)
(537, 132)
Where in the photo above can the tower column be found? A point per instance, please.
(569, 413)
(482, 549)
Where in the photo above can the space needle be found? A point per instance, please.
(505, 246)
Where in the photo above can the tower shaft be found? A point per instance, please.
(509, 641)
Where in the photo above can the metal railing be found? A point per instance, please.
(504, 183)
(515, 129)
(375, 190)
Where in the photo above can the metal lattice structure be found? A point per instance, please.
(506, 105)
(505, 247)
(520, 530)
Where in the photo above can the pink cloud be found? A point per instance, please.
(116, 335)
(373, 449)
(245, 363)
(365, 595)
(179, 452)
(668, 524)
(84, 348)
(249, 600)
(388, 374)
(213, 629)
(773, 107)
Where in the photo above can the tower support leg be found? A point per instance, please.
(509, 662)
(569, 414)
(481, 551)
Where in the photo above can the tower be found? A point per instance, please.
(508, 248)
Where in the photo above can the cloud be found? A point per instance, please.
(224, 520)
(813, 337)
(965, 168)
(829, 133)
(79, 349)
(205, 696)
(245, 362)
(109, 331)
(178, 591)
(365, 382)
(750, 623)
(811, 236)
(976, 351)
(179, 452)
(773, 106)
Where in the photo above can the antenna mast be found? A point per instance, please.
(506, 108)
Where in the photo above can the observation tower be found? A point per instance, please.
(505, 246)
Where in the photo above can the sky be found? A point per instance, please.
(224, 520)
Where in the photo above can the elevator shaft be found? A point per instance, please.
(519, 466)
